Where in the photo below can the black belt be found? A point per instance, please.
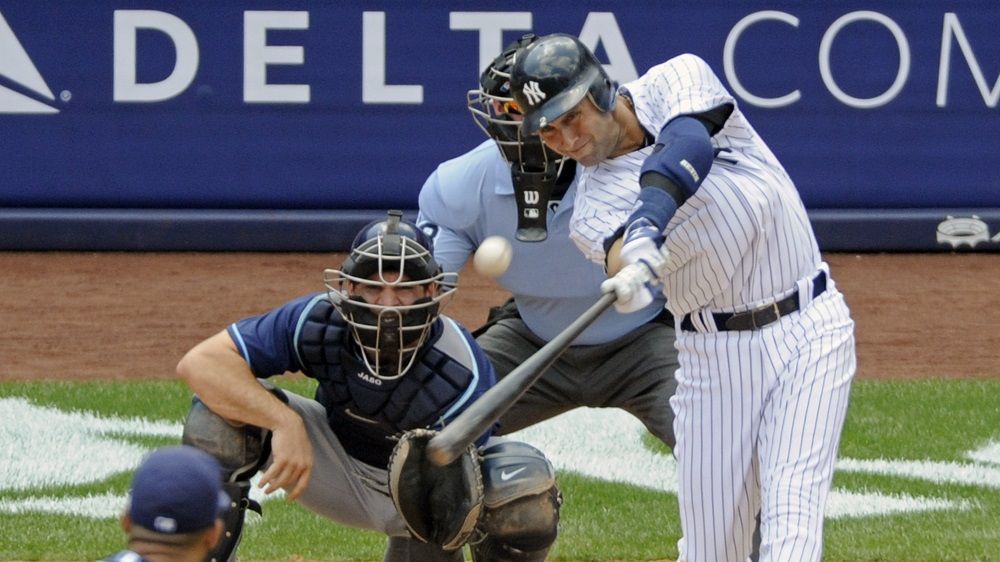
(760, 316)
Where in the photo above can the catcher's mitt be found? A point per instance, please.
(439, 504)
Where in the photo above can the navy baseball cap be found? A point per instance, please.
(177, 490)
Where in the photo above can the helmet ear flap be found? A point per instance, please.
(604, 92)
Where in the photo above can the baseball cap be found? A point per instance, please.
(177, 490)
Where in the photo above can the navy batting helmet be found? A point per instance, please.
(390, 253)
(555, 73)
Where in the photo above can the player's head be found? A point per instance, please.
(390, 291)
(176, 498)
(499, 116)
(553, 75)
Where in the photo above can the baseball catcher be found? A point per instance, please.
(390, 368)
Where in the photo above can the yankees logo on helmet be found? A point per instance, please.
(533, 92)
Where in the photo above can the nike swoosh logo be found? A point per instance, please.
(505, 476)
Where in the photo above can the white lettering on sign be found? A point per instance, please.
(126, 87)
(258, 55)
(490, 26)
(952, 32)
(600, 31)
(952, 28)
(374, 88)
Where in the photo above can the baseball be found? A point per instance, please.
(493, 256)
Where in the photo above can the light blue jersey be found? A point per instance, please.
(472, 197)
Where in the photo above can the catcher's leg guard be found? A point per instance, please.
(240, 450)
(521, 515)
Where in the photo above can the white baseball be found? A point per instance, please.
(493, 256)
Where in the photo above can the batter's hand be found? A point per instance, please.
(642, 241)
(291, 458)
(633, 286)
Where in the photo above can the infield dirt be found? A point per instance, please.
(119, 315)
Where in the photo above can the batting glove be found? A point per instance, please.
(642, 241)
(633, 287)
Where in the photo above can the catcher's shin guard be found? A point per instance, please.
(239, 494)
(521, 516)
(240, 450)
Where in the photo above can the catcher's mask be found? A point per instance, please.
(390, 254)
(536, 171)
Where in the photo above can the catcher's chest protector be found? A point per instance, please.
(357, 401)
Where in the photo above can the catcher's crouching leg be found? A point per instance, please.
(521, 514)
(241, 450)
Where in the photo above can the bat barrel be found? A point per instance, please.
(447, 445)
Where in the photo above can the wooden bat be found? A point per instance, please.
(451, 442)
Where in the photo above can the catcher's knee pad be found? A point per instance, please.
(240, 450)
(520, 518)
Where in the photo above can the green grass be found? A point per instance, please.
(937, 421)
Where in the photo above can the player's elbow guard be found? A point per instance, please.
(680, 160)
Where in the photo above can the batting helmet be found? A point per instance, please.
(389, 336)
(554, 74)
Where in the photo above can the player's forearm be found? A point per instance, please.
(613, 260)
(218, 374)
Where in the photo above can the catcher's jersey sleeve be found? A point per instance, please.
(267, 341)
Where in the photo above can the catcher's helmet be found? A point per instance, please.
(554, 74)
(389, 336)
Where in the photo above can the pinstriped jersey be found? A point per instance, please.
(743, 238)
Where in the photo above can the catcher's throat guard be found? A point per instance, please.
(533, 191)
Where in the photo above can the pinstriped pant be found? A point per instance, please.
(758, 420)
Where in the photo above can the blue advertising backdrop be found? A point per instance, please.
(273, 125)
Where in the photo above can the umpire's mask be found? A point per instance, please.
(537, 173)
(390, 255)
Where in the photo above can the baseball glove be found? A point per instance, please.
(439, 504)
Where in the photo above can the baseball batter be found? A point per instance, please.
(386, 362)
(619, 360)
(765, 340)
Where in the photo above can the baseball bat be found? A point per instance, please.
(447, 445)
